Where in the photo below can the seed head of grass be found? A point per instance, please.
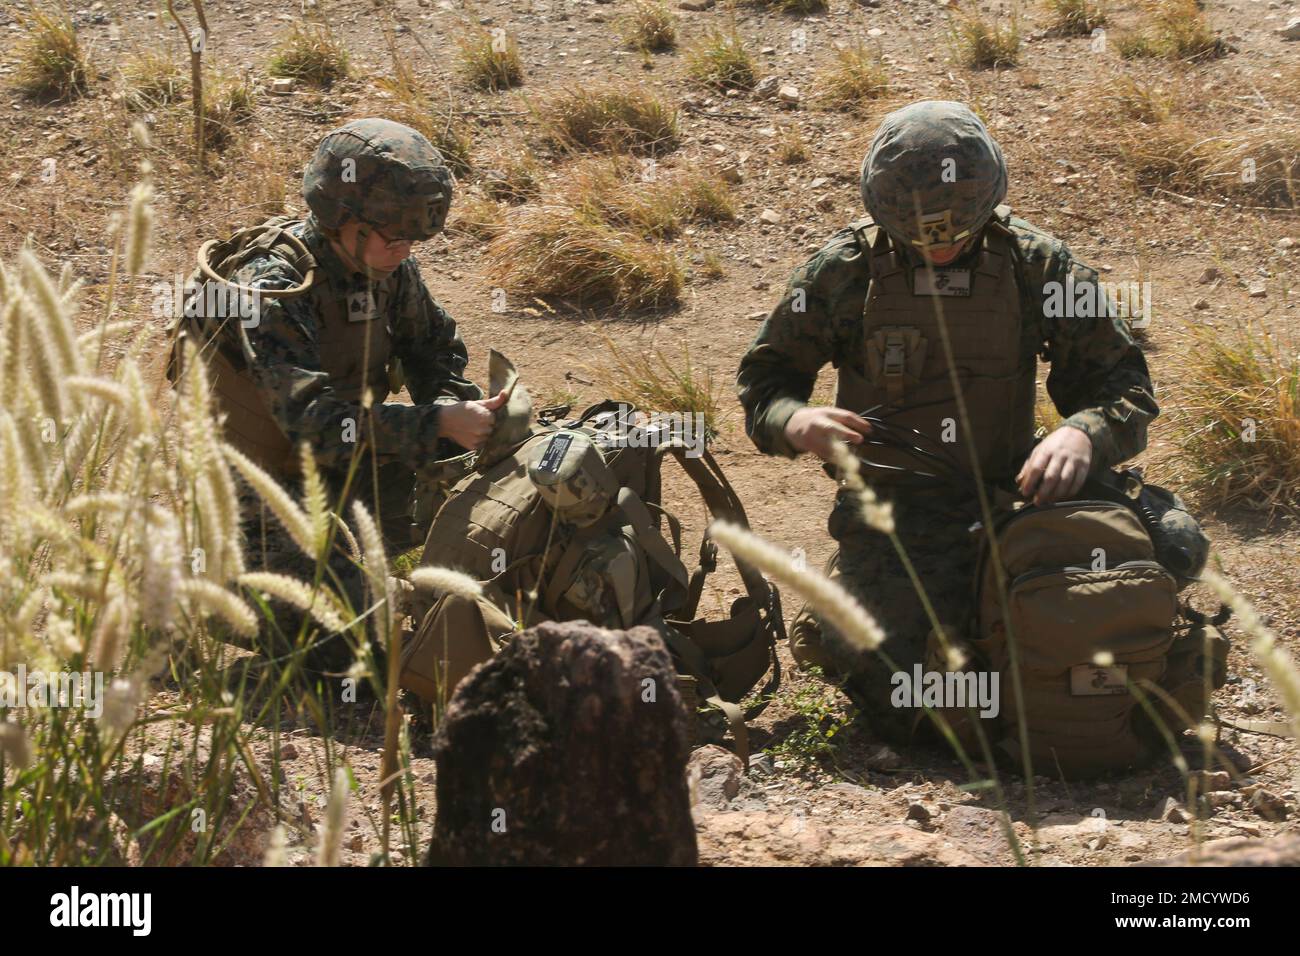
(831, 602)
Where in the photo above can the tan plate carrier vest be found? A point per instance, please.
(907, 374)
(354, 343)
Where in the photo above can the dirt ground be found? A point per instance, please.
(865, 805)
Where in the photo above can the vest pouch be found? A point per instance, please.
(1080, 715)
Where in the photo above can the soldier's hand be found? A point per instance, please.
(1057, 467)
(468, 424)
(814, 429)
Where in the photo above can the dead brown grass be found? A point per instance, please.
(616, 119)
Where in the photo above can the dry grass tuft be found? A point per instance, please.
(514, 177)
(791, 147)
(981, 43)
(653, 203)
(490, 60)
(311, 53)
(50, 60)
(1075, 17)
(620, 119)
(563, 253)
(1238, 419)
(857, 77)
(720, 60)
(650, 27)
(654, 381)
(228, 101)
(153, 80)
(1189, 147)
(1173, 30)
(451, 135)
(478, 216)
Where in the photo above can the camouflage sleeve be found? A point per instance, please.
(286, 369)
(800, 335)
(1098, 379)
(428, 343)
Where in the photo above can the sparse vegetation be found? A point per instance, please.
(1075, 17)
(722, 61)
(310, 53)
(982, 43)
(791, 147)
(1174, 30)
(622, 119)
(654, 380)
(512, 178)
(650, 27)
(51, 62)
(490, 60)
(444, 129)
(477, 216)
(856, 77)
(799, 7)
(228, 101)
(653, 203)
(562, 253)
(821, 723)
(153, 80)
(1238, 418)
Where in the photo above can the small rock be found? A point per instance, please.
(731, 174)
(770, 217)
(1257, 290)
(818, 183)
(1268, 804)
(1286, 242)
(1291, 31)
(767, 87)
(756, 316)
(1218, 799)
(788, 95)
(288, 752)
(1210, 780)
(882, 758)
(716, 773)
(1208, 276)
(695, 5)
(1200, 304)
(356, 844)
(1171, 811)
(282, 85)
(875, 32)
(918, 812)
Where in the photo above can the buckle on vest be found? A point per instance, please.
(895, 355)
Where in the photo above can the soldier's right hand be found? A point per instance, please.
(468, 424)
(815, 428)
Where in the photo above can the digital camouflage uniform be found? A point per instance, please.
(309, 359)
(1098, 381)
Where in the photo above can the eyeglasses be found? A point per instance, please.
(392, 245)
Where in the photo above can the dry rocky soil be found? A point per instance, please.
(865, 804)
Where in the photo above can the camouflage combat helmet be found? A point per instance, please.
(382, 173)
(938, 155)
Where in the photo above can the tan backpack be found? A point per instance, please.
(535, 565)
(1101, 651)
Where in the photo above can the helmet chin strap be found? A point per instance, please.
(354, 260)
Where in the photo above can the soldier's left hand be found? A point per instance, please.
(1057, 467)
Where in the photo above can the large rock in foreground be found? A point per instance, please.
(567, 748)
